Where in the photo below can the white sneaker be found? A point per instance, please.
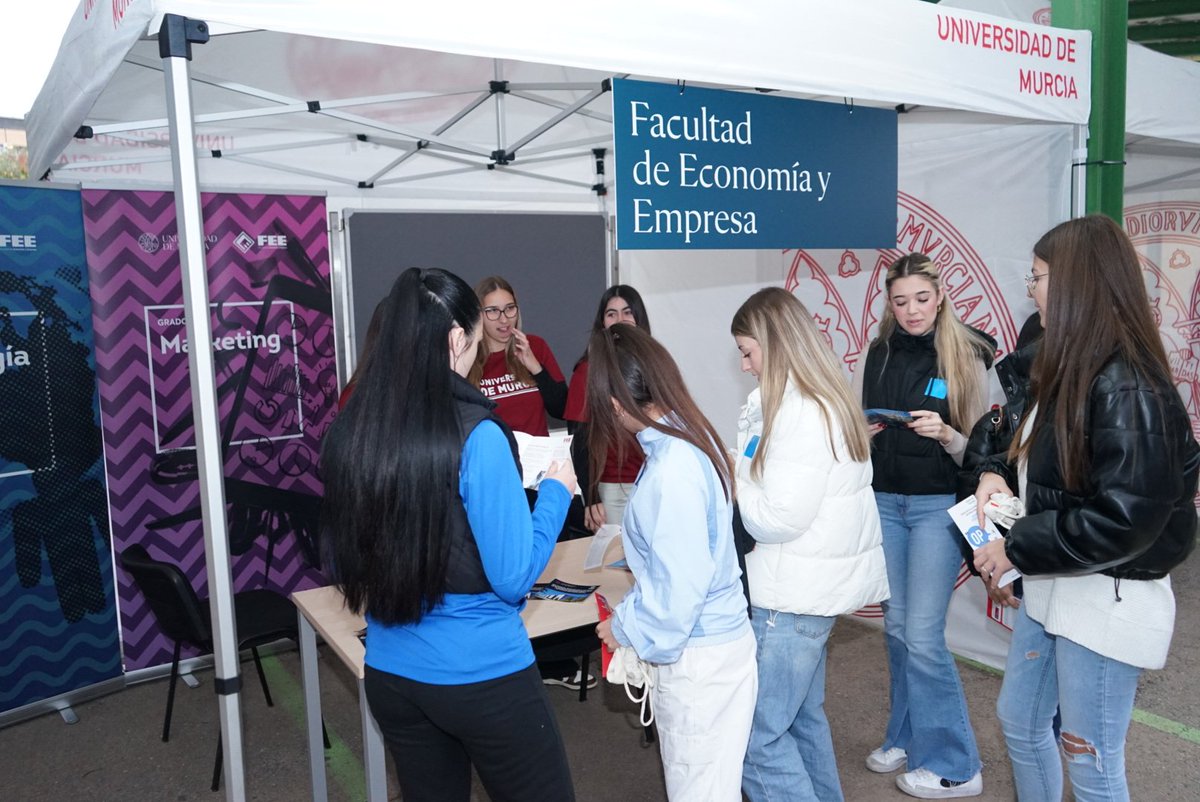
(885, 761)
(924, 784)
(571, 682)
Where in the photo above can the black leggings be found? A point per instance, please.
(504, 726)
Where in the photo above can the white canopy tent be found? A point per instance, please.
(368, 65)
(368, 100)
(1162, 127)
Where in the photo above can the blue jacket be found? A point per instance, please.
(477, 637)
(678, 536)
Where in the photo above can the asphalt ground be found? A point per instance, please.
(114, 752)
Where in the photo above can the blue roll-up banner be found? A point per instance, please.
(710, 168)
(58, 618)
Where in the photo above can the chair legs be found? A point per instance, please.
(262, 677)
(216, 783)
(220, 757)
(166, 732)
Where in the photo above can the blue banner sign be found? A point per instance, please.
(710, 168)
(58, 615)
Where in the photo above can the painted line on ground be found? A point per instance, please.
(1152, 720)
(345, 767)
(1166, 725)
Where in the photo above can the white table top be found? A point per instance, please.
(325, 607)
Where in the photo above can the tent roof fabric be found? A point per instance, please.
(280, 54)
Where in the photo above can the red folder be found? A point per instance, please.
(605, 653)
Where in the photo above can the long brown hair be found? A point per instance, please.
(1096, 308)
(794, 350)
(958, 346)
(484, 288)
(628, 365)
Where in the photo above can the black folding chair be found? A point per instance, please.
(263, 616)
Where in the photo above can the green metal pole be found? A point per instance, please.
(1108, 20)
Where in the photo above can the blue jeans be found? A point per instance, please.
(929, 711)
(790, 756)
(1095, 694)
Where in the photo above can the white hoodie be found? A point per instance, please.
(820, 549)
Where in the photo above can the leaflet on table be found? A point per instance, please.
(966, 517)
(558, 590)
(600, 542)
(538, 452)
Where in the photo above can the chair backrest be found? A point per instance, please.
(171, 597)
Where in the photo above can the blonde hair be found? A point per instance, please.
(957, 345)
(483, 289)
(793, 349)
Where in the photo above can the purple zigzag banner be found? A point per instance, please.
(268, 273)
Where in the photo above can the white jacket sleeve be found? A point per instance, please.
(782, 503)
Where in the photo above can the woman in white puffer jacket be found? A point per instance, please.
(804, 493)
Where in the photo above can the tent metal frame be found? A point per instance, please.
(431, 144)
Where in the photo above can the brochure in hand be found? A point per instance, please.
(966, 518)
(893, 418)
(558, 590)
(537, 453)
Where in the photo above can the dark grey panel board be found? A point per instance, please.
(555, 263)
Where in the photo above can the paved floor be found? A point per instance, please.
(114, 752)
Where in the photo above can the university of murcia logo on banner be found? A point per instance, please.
(1166, 235)
(149, 243)
(844, 292)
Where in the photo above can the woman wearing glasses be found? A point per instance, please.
(515, 369)
(1107, 465)
(928, 363)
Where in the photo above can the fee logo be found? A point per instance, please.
(18, 242)
(244, 242)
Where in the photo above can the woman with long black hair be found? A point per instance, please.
(1106, 463)
(427, 530)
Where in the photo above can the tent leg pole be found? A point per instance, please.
(175, 39)
(1079, 158)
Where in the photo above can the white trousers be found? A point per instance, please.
(704, 705)
(615, 497)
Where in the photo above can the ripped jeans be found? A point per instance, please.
(1095, 694)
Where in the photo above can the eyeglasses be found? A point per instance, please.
(494, 312)
(1032, 279)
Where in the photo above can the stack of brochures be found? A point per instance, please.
(966, 517)
(557, 590)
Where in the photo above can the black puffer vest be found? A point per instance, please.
(901, 373)
(465, 573)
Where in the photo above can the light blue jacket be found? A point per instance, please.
(678, 535)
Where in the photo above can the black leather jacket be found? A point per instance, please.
(1137, 520)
